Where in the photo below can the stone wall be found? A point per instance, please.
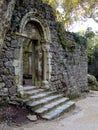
(8, 57)
(6, 10)
(68, 67)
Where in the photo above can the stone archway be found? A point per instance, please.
(36, 35)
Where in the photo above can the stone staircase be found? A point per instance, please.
(46, 103)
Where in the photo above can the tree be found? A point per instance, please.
(92, 39)
(76, 9)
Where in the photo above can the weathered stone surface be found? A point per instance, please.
(8, 64)
(66, 68)
(12, 90)
(12, 70)
(9, 83)
(32, 117)
(92, 82)
(92, 79)
(14, 43)
(2, 85)
(9, 54)
(5, 90)
(6, 11)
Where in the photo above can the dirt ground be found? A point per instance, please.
(13, 115)
(83, 117)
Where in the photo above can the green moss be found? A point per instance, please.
(73, 96)
(93, 87)
(64, 43)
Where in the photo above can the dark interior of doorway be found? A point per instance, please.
(28, 79)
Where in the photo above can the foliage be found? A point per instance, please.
(75, 10)
(73, 96)
(92, 40)
(92, 49)
(80, 39)
(61, 36)
(89, 33)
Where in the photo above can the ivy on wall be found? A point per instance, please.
(61, 36)
(78, 40)
(81, 40)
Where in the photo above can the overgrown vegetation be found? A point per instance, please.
(73, 96)
(93, 55)
(74, 10)
(79, 40)
(61, 36)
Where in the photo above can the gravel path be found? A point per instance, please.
(84, 117)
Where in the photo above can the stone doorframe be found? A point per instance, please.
(45, 41)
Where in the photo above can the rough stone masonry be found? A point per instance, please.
(32, 47)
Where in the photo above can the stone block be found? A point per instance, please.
(0, 79)
(12, 70)
(5, 90)
(8, 64)
(2, 85)
(9, 54)
(14, 44)
(1, 70)
(12, 90)
(4, 78)
(16, 63)
(1, 64)
(32, 117)
(16, 53)
(8, 44)
(5, 71)
(8, 38)
(9, 83)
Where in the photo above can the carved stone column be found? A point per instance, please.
(45, 82)
(19, 70)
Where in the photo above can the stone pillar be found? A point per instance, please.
(45, 82)
(49, 64)
(20, 90)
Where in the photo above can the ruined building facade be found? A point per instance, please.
(32, 53)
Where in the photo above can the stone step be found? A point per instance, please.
(46, 103)
(51, 105)
(43, 101)
(34, 92)
(28, 88)
(39, 96)
(58, 111)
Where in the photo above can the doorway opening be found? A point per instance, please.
(32, 63)
(34, 60)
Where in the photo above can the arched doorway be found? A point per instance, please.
(33, 55)
(34, 52)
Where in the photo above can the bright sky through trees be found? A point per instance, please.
(81, 25)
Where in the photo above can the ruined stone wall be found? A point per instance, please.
(6, 10)
(68, 67)
(8, 56)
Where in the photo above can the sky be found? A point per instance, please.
(76, 27)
